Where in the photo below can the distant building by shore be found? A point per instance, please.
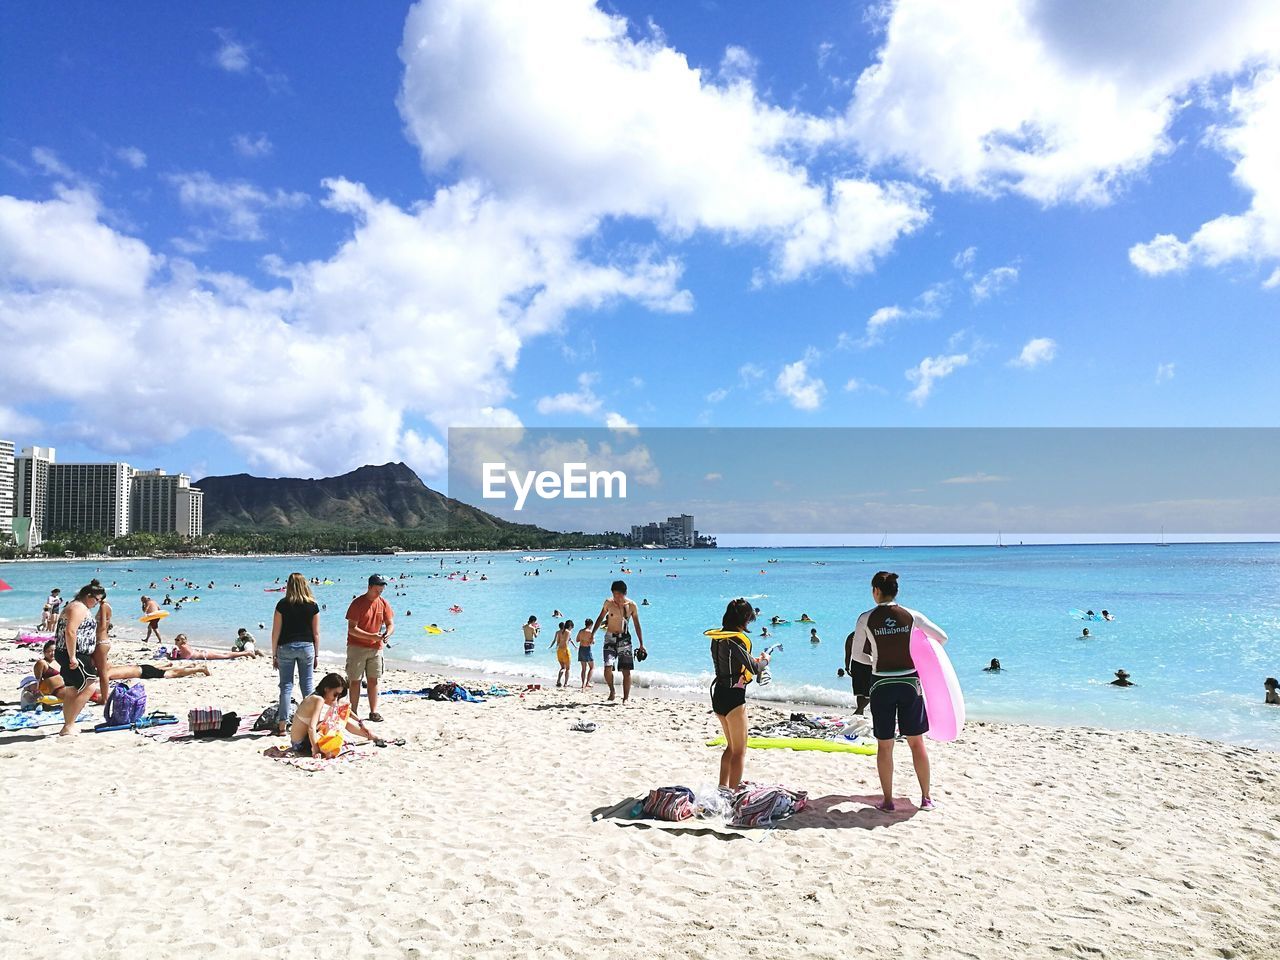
(676, 532)
(40, 497)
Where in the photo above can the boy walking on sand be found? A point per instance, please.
(586, 653)
(614, 616)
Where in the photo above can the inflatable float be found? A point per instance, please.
(433, 629)
(866, 748)
(33, 639)
(151, 617)
(943, 701)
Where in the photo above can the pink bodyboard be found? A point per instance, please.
(942, 698)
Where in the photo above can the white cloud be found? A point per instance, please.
(1036, 352)
(802, 390)
(1164, 372)
(63, 243)
(616, 421)
(750, 373)
(417, 318)
(1252, 140)
(232, 56)
(235, 208)
(979, 477)
(993, 282)
(133, 156)
(928, 306)
(964, 259)
(718, 395)
(582, 401)
(1164, 253)
(556, 103)
(713, 477)
(853, 384)
(1059, 100)
(47, 160)
(251, 147)
(929, 371)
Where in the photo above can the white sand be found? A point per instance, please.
(476, 839)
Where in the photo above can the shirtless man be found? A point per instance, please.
(149, 606)
(615, 613)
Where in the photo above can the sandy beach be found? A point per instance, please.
(476, 838)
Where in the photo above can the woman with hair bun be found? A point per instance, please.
(897, 705)
(75, 643)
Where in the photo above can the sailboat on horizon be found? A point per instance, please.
(1162, 541)
(884, 541)
(1000, 539)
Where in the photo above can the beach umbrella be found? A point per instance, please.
(4, 586)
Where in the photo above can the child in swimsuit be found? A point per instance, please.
(561, 642)
(586, 656)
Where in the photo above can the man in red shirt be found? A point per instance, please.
(369, 625)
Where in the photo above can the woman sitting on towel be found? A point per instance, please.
(182, 650)
(322, 718)
(734, 668)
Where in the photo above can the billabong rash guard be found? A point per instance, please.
(884, 632)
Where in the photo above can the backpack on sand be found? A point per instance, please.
(126, 705)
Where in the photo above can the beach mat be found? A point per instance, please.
(803, 743)
(313, 764)
(621, 814)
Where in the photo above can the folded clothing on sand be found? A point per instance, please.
(758, 805)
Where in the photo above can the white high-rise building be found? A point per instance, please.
(6, 490)
(31, 493)
(161, 502)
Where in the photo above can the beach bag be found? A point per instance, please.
(270, 716)
(126, 705)
(212, 722)
(755, 805)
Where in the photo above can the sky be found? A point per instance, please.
(292, 241)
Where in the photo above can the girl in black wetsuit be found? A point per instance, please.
(734, 669)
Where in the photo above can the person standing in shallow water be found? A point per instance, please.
(897, 704)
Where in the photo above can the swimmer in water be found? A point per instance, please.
(813, 636)
(1107, 616)
(994, 668)
(1122, 680)
(1085, 635)
(1273, 690)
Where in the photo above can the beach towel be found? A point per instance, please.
(29, 719)
(630, 813)
(669, 803)
(757, 805)
(313, 764)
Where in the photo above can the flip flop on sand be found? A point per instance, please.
(379, 742)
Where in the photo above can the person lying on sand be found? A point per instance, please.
(182, 650)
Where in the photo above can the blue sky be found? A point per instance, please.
(235, 239)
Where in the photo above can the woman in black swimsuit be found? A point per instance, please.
(734, 668)
(76, 640)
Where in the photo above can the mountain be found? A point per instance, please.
(387, 497)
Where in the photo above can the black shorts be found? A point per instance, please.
(896, 703)
(79, 679)
(860, 675)
(726, 698)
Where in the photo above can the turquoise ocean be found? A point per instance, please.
(1196, 625)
